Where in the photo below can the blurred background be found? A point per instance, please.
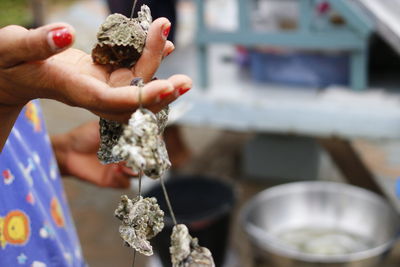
(301, 93)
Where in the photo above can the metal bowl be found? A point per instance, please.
(319, 224)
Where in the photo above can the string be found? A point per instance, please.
(140, 182)
(140, 194)
(171, 211)
(134, 258)
(141, 171)
(140, 97)
(133, 8)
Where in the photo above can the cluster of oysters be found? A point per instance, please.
(120, 43)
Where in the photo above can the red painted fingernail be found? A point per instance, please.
(183, 90)
(167, 54)
(170, 52)
(60, 38)
(166, 31)
(164, 95)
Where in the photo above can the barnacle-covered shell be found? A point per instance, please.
(110, 132)
(142, 219)
(186, 251)
(162, 119)
(141, 146)
(120, 40)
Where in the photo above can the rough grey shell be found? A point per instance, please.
(120, 40)
(110, 132)
(141, 145)
(142, 219)
(162, 119)
(186, 251)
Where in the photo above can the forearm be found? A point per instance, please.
(60, 144)
(8, 116)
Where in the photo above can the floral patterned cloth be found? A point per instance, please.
(36, 228)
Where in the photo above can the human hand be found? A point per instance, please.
(30, 69)
(38, 64)
(76, 155)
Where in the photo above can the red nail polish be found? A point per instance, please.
(61, 37)
(165, 94)
(183, 90)
(166, 31)
(167, 54)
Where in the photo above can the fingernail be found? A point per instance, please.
(166, 30)
(183, 90)
(168, 53)
(164, 95)
(60, 38)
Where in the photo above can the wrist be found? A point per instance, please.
(8, 100)
(8, 116)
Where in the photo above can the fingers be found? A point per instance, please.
(168, 48)
(181, 86)
(153, 52)
(122, 101)
(118, 103)
(152, 96)
(124, 76)
(21, 45)
(87, 167)
(105, 175)
(114, 177)
(126, 170)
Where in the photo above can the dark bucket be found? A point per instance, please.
(204, 205)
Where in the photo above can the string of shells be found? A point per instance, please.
(120, 43)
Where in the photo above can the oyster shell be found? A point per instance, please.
(142, 219)
(120, 40)
(120, 43)
(153, 160)
(162, 119)
(141, 146)
(110, 132)
(186, 251)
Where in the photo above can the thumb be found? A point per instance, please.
(21, 45)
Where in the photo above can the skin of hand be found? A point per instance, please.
(76, 151)
(33, 66)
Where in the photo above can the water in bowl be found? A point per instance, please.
(323, 241)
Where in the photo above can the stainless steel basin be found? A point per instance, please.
(309, 224)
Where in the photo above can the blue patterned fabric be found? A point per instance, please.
(36, 228)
